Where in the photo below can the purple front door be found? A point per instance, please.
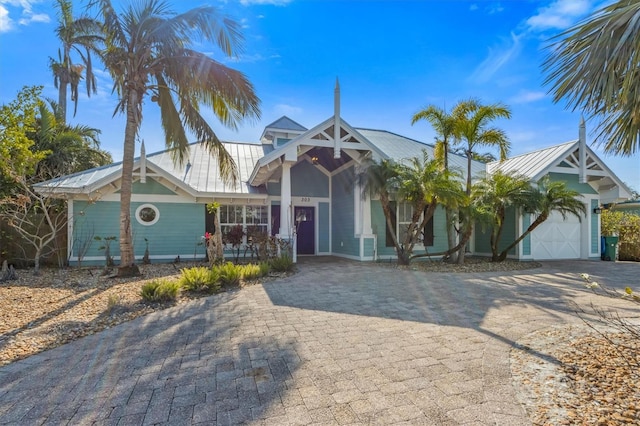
(305, 230)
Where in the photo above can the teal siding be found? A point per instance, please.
(323, 228)
(378, 226)
(594, 237)
(483, 237)
(151, 187)
(526, 242)
(308, 181)
(281, 141)
(274, 189)
(343, 226)
(369, 247)
(90, 220)
(439, 231)
(179, 229)
(573, 183)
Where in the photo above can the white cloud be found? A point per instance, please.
(289, 110)
(272, 2)
(24, 8)
(559, 15)
(5, 21)
(496, 59)
(40, 17)
(244, 23)
(494, 8)
(525, 97)
(473, 7)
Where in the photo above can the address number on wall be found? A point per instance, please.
(305, 199)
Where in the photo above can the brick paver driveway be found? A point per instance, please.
(337, 343)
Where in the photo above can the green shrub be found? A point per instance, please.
(283, 263)
(200, 279)
(265, 268)
(250, 271)
(627, 226)
(230, 274)
(160, 290)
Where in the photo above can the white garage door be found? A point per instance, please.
(557, 238)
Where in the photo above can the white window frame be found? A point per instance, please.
(145, 206)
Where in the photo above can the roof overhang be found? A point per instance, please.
(320, 136)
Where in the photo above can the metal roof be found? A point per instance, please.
(533, 164)
(285, 123)
(199, 176)
(401, 148)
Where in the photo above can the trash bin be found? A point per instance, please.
(609, 249)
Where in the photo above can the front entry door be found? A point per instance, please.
(305, 226)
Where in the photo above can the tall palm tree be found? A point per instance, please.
(473, 127)
(594, 67)
(148, 54)
(80, 36)
(446, 126)
(474, 130)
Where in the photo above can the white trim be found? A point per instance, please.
(70, 220)
(149, 206)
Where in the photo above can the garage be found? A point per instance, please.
(556, 238)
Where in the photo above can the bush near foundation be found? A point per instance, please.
(627, 227)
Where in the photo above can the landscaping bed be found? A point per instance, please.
(61, 305)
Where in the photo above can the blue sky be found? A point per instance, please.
(392, 58)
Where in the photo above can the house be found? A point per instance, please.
(301, 184)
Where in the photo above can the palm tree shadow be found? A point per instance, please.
(467, 300)
(184, 364)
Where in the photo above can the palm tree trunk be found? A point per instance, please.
(62, 99)
(127, 266)
(451, 234)
(534, 225)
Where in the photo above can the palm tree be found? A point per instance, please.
(148, 54)
(423, 184)
(549, 196)
(81, 36)
(474, 131)
(594, 67)
(473, 127)
(497, 192)
(446, 126)
(70, 149)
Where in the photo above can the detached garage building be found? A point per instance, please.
(561, 237)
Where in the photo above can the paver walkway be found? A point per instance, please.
(338, 343)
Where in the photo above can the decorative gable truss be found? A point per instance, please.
(594, 170)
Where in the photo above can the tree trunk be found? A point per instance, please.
(62, 99)
(214, 245)
(127, 266)
(534, 225)
(36, 261)
(451, 234)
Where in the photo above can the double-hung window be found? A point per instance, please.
(401, 214)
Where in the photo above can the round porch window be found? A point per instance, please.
(147, 214)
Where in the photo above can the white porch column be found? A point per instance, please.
(286, 210)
